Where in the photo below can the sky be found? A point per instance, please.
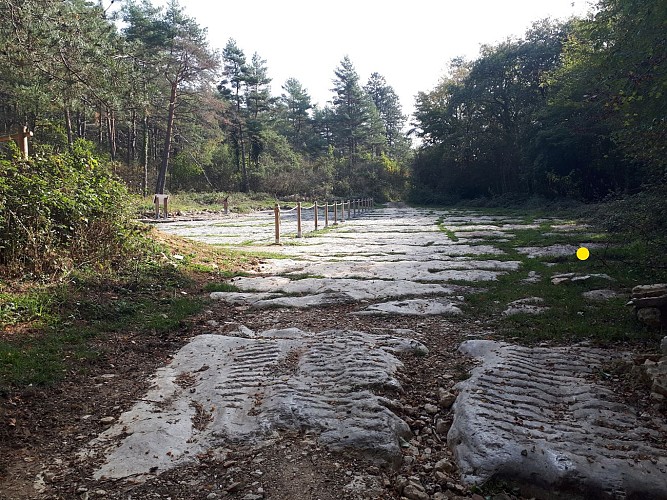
(410, 42)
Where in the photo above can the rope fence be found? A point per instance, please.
(354, 209)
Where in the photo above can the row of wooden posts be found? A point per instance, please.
(354, 207)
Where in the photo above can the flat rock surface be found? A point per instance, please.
(221, 389)
(536, 415)
(529, 305)
(600, 295)
(554, 250)
(358, 289)
(331, 313)
(414, 307)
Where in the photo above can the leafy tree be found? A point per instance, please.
(613, 81)
(482, 119)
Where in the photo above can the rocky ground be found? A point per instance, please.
(391, 274)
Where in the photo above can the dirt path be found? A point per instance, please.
(330, 374)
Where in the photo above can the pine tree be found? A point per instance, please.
(389, 107)
(352, 112)
(296, 102)
(235, 72)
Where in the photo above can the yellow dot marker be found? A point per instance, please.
(583, 253)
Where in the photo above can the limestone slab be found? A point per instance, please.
(554, 250)
(536, 416)
(220, 389)
(414, 307)
(600, 295)
(408, 270)
(529, 305)
(305, 301)
(357, 289)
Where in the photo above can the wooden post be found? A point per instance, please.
(161, 199)
(276, 213)
(225, 204)
(299, 234)
(342, 211)
(326, 214)
(335, 207)
(316, 214)
(349, 209)
(21, 140)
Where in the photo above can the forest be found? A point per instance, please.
(168, 111)
(573, 109)
(137, 101)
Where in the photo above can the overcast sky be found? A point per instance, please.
(408, 42)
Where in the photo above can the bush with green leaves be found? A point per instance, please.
(59, 211)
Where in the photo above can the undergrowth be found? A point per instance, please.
(75, 270)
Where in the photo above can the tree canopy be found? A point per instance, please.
(571, 109)
(174, 113)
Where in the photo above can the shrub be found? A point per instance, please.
(59, 210)
(641, 219)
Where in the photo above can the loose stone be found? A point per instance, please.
(431, 409)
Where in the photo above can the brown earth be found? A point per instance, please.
(42, 429)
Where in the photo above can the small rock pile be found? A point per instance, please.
(650, 303)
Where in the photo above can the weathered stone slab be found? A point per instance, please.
(357, 289)
(529, 305)
(554, 250)
(224, 388)
(533, 277)
(242, 297)
(306, 301)
(414, 307)
(558, 279)
(600, 295)
(407, 270)
(536, 417)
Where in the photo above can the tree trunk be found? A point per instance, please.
(68, 125)
(245, 187)
(81, 124)
(132, 139)
(100, 134)
(111, 134)
(162, 174)
(144, 185)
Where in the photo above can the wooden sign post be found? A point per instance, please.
(21, 140)
(161, 199)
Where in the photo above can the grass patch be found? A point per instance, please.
(221, 287)
(302, 276)
(570, 317)
(49, 330)
(450, 234)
